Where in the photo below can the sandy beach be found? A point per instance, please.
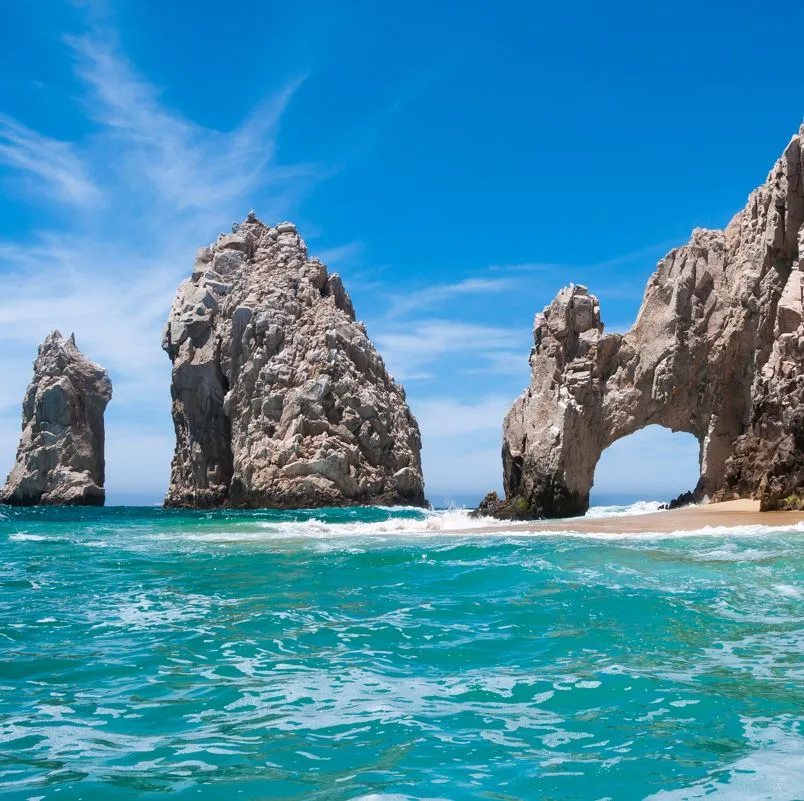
(691, 518)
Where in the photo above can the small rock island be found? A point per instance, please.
(279, 398)
(60, 458)
(717, 350)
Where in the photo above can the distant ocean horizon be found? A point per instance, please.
(393, 655)
(439, 500)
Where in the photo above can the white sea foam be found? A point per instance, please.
(393, 797)
(730, 552)
(457, 523)
(746, 531)
(787, 590)
(425, 523)
(421, 523)
(136, 611)
(638, 508)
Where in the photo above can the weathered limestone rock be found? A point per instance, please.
(60, 458)
(279, 398)
(717, 351)
(688, 498)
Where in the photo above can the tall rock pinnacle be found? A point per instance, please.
(717, 350)
(60, 458)
(279, 398)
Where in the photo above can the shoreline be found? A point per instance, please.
(728, 514)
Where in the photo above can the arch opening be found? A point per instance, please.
(652, 464)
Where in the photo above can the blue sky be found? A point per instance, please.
(457, 163)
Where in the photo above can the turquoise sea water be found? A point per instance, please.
(369, 654)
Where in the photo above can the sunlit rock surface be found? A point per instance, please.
(717, 351)
(279, 397)
(60, 458)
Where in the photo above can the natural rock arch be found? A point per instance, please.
(717, 351)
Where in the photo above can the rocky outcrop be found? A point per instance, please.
(60, 458)
(688, 498)
(279, 398)
(767, 461)
(717, 350)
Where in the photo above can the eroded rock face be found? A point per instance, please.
(279, 398)
(60, 458)
(717, 351)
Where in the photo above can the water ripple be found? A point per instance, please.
(360, 654)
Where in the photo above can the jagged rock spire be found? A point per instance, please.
(279, 397)
(60, 458)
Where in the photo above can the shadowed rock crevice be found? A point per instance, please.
(717, 351)
(60, 458)
(279, 398)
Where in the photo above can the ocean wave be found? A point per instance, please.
(426, 523)
(746, 531)
(348, 539)
(23, 536)
(624, 510)
(415, 521)
(361, 526)
(457, 523)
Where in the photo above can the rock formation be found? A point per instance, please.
(279, 398)
(717, 350)
(60, 458)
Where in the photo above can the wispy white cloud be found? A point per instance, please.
(412, 350)
(503, 363)
(186, 165)
(54, 165)
(448, 417)
(462, 440)
(340, 255)
(649, 253)
(116, 315)
(111, 277)
(526, 267)
(434, 296)
(632, 291)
